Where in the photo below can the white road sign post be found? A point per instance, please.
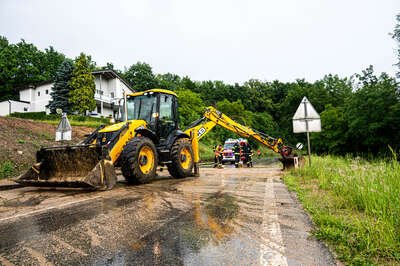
(306, 119)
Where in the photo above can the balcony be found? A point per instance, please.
(103, 98)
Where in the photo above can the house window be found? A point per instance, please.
(38, 93)
(112, 94)
(99, 109)
(47, 91)
(25, 109)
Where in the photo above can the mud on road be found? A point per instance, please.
(225, 217)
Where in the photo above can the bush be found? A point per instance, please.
(6, 169)
(33, 115)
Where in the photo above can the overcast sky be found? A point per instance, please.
(224, 40)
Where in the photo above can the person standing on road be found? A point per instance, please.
(218, 149)
(215, 157)
(236, 151)
(248, 153)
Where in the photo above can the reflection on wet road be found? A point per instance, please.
(225, 217)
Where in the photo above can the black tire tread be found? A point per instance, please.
(129, 158)
(174, 168)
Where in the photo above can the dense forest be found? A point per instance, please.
(360, 114)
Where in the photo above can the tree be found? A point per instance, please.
(109, 66)
(83, 88)
(22, 64)
(51, 62)
(338, 89)
(3, 42)
(168, 81)
(61, 88)
(333, 137)
(140, 76)
(257, 97)
(190, 106)
(187, 83)
(373, 114)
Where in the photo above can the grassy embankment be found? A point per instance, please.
(21, 138)
(26, 141)
(355, 206)
(53, 119)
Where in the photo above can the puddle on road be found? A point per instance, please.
(205, 235)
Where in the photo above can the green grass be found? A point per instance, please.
(75, 120)
(206, 152)
(355, 206)
(76, 123)
(6, 169)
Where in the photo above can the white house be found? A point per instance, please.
(110, 87)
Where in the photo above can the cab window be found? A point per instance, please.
(166, 112)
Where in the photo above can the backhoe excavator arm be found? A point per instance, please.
(213, 117)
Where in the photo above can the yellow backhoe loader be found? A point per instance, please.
(148, 136)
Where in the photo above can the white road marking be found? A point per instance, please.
(272, 249)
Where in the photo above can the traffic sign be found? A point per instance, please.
(306, 119)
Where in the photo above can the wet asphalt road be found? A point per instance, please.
(226, 217)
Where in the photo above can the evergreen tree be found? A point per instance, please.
(61, 88)
(82, 83)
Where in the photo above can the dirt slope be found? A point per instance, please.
(21, 138)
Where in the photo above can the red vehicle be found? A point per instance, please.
(228, 155)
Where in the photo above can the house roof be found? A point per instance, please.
(33, 86)
(109, 74)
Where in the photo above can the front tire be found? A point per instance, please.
(139, 160)
(182, 159)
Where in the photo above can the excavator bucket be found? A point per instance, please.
(292, 162)
(80, 166)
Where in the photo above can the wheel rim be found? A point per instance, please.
(146, 159)
(185, 158)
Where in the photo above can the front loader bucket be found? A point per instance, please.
(78, 166)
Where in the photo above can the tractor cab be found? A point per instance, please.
(157, 107)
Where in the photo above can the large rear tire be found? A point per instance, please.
(139, 160)
(182, 159)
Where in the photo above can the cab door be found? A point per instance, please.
(167, 121)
